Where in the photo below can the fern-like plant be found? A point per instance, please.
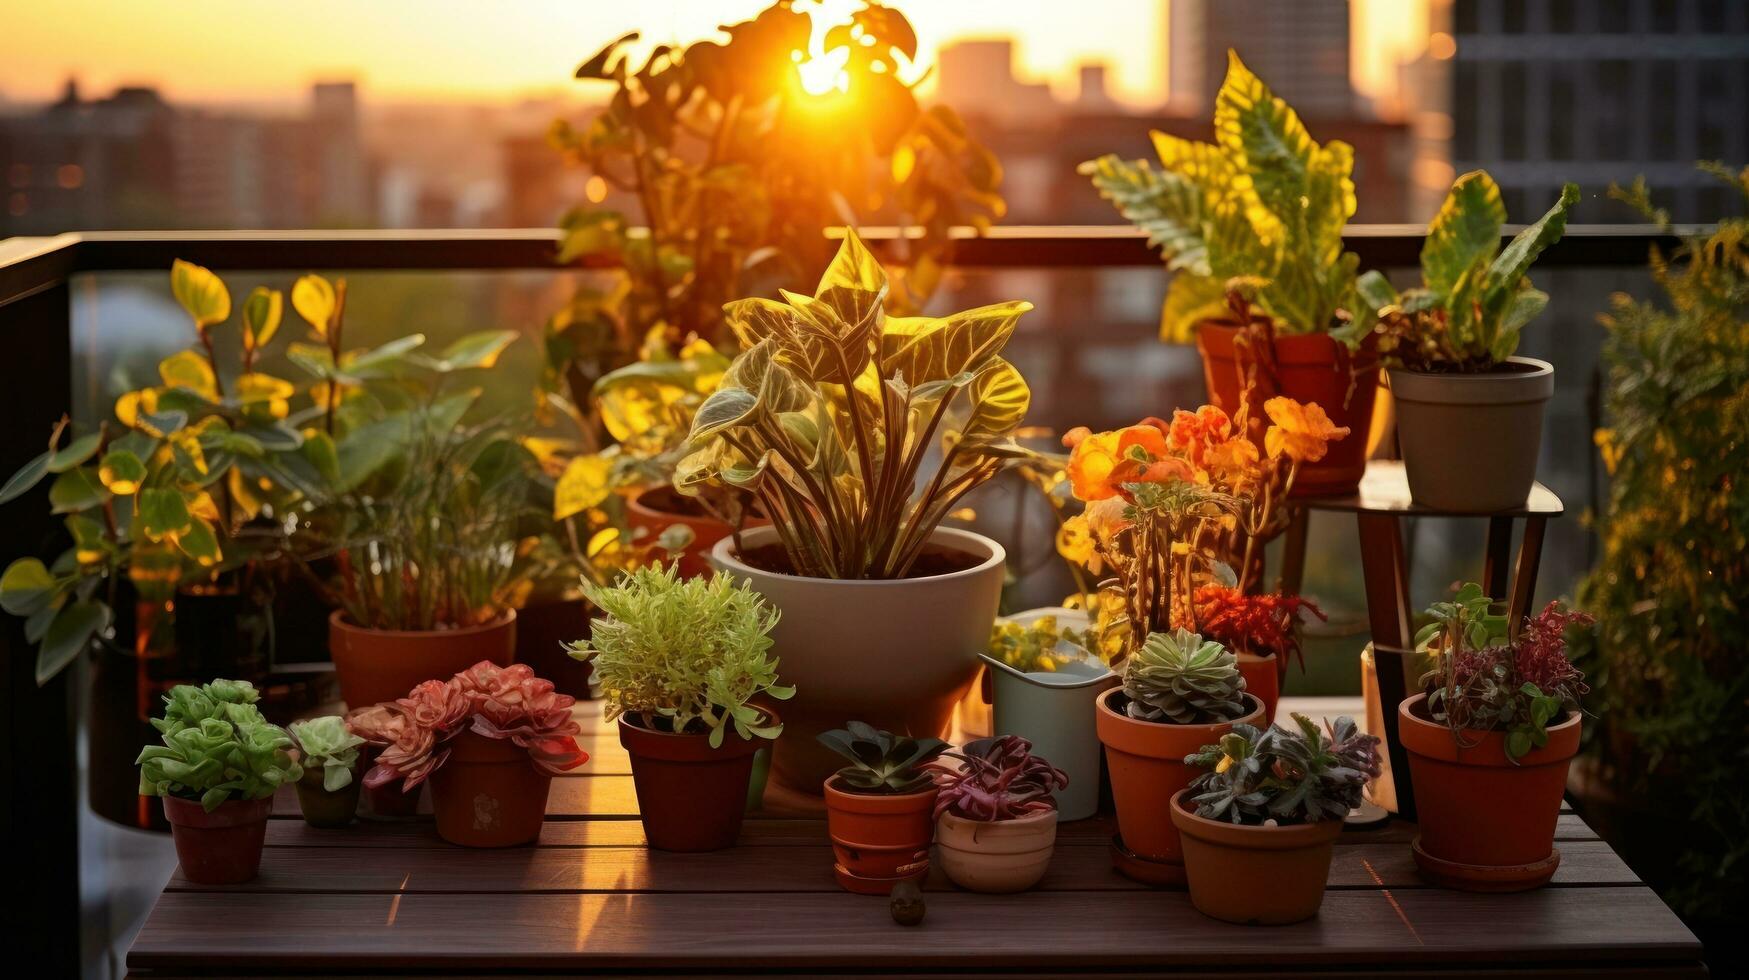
(1263, 202)
(881, 762)
(1180, 677)
(1282, 776)
(687, 656)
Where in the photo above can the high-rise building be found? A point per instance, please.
(1298, 47)
(1546, 91)
(977, 76)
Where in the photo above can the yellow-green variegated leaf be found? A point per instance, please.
(201, 293)
(121, 472)
(999, 398)
(190, 371)
(761, 371)
(1268, 149)
(1330, 199)
(725, 409)
(585, 483)
(265, 392)
(313, 297)
(756, 319)
(1190, 300)
(200, 543)
(1466, 231)
(823, 346)
(925, 349)
(262, 312)
(854, 285)
(162, 513)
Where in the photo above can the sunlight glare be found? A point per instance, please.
(823, 72)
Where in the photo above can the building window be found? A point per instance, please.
(1512, 105)
(1562, 111)
(1467, 111)
(1662, 85)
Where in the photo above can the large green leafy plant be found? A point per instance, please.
(688, 655)
(1475, 297)
(215, 745)
(1264, 202)
(832, 408)
(1670, 658)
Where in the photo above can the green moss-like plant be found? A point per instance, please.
(216, 745)
(688, 655)
(327, 742)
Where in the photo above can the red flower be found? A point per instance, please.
(1257, 624)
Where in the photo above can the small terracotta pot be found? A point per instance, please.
(691, 797)
(997, 855)
(323, 808)
(1262, 678)
(542, 631)
(222, 847)
(382, 665)
(489, 793)
(1470, 441)
(1264, 876)
(879, 839)
(655, 509)
(1309, 368)
(1146, 761)
(389, 802)
(1487, 824)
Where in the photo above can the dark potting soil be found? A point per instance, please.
(931, 562)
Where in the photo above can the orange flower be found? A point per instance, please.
(1232, 461)
(1101, 462)
(1303, 432)
(1092, 459)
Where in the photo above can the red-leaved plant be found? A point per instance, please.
(1000, 779)
(496, 702)
(1257, 624)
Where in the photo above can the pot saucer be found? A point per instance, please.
(1486, 877)
(1149, 872)
(860, 885)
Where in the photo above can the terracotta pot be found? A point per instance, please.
(691, 797)
(879, 839)
(1487, 824)
(542, 631)
(898, 654)
(1309, 368)
(222, 847)
(1146, 761)
(1470, 441)
(996, 855)
(1262, 678)
(382, 665)
(1265, 876)
(323, 808)
(489, 793)
(655, 509)
(389, 802)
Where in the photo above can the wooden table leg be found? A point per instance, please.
(1387, 608)
(1495, 559)
(1530, 552)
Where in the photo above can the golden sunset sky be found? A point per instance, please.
(454, 50)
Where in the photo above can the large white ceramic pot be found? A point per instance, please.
(1470, 441)
(896, 654)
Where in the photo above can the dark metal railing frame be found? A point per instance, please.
(38, 768)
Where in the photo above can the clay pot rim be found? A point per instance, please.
(1533, 381)
(233, 812)
(1028, 822)
(1317, 343)
(339, 620)
(1107, 719)
(851, 801)
(1432, 740)
(1290, 837)
(723, 556)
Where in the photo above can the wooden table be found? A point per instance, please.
(382, 898)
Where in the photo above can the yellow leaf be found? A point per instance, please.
(190, 370)
(201, 293)
(313, 298)
(261, 315)
(132, 405)
(583, 485)
(601, 541)
(188, 440)
(201, 505)
(256, 388)
(243, 494)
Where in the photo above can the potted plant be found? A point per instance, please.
(685, 667)
(380, 726)
(1260, 823)
(489, 739)
(1263, 206)
(1489, 743)
(217, 768)
(328, 752)
(995, 818)
(1262, 629)
(859, 433)
(1462, 397)
(1179, 692)
(880, 809)
(1043, 683)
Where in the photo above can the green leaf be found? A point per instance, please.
(26, 588)
(922, 349)
(200, 543)
(476, 350)
(121, 472)
(1517, 743)
(381, 361)
(262, 312)
(1464, 232)
(725, 408)
(68, 634)
(75, 490)
(28, 476)
(74, 453)
(1375, 290)
(201, 293)
(162, 512)
(999, 398)
(597, 66)
(854, 285)
(314, 299)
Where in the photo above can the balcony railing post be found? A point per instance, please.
(39, 767)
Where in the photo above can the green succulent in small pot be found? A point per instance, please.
(329, 752)
(685, 667)
(1180, 691)
(217, 765)
(880, 807)
(1462, 395)
(1259, 823)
